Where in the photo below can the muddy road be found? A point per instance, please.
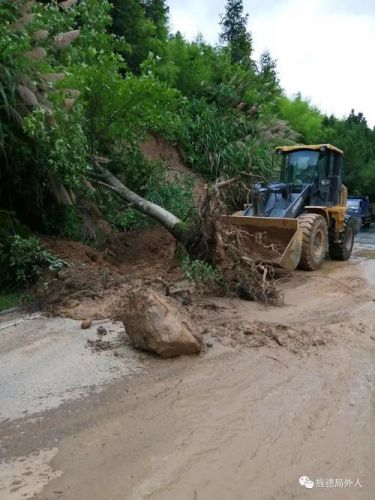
(279, 394)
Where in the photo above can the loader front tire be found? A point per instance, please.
(343, 250)
(314, 241)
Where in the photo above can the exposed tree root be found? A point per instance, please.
(238, 255)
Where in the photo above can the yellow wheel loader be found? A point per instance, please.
(304, 214)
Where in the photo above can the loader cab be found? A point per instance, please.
(317, 167)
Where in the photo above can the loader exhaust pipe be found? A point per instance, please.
(283, 239)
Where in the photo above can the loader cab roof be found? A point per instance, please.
(311, 147)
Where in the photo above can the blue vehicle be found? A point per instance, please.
(361, 210)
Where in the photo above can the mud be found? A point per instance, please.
(95, 281)
(278, 393)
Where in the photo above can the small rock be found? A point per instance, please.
(209, 344)
(248, 332)
(115, 353)
(101, 331)
(86, 324)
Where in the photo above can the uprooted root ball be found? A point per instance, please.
(240, 257)
(242, 269)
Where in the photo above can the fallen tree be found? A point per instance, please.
(229, 249)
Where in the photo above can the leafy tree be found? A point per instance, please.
(190, 67)
(158, 12)
(234, 32)
(268, 78)
(304, 118)
(143, 25)
(357, 141)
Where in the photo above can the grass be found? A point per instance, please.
(9, 300)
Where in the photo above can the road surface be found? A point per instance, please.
(237, 422)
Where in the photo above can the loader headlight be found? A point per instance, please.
(325, 182)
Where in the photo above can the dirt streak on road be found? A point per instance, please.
(235, 423)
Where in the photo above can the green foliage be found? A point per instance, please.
(190, 67)
(158, 12)
(269, 80)
(42, 139)
(143, 24)
(61, 145)
(234, 32)
(358, 143)
(220, 145)
(174, 196)
(23, 260)
(9, 300)
(197, 271)
(305, 119)
(22, 256)
(119, 111)
(64, 221)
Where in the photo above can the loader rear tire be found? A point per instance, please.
(343, 249)
(314, 241)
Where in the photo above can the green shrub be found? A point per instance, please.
(216, 144)
(197, 271)
(177, 196)
(9, 300)
(22, 261)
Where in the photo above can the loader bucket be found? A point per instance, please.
(282, 239)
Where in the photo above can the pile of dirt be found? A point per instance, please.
(129, 251)
(95, 280)
(80, 292)
(145, 253)
(73, 251)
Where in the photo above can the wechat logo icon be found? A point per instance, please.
(306, 482)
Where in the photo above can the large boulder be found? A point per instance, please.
(154, 323)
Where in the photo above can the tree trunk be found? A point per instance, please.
(173, 224)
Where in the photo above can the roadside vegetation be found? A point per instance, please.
(82, 86)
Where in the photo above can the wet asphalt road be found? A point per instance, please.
(366, 238)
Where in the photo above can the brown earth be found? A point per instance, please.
(97, 280)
